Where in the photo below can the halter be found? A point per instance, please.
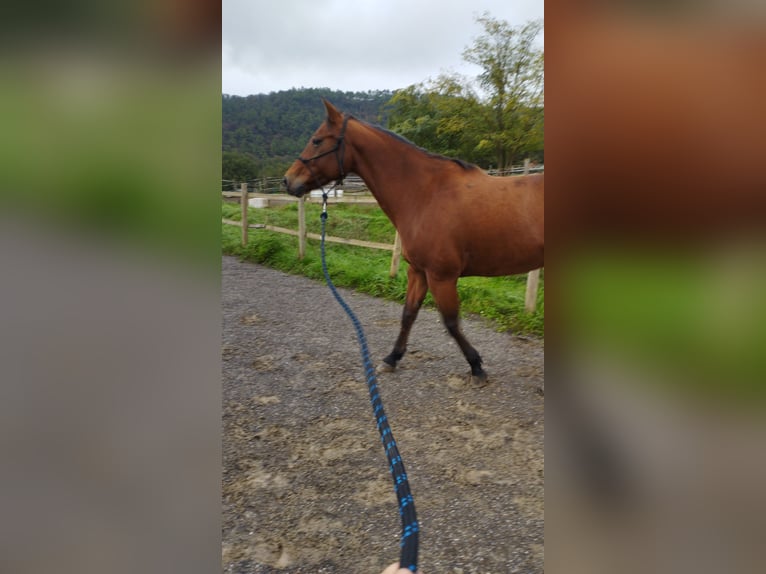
(338, 150)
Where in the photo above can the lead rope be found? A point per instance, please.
(409, 541)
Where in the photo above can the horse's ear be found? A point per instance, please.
(334, 117)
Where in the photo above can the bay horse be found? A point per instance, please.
(454, 220)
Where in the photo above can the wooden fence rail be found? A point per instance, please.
(533, 277)
(302, 233)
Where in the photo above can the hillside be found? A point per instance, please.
(263, 134)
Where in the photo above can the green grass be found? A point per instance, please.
(498, 299)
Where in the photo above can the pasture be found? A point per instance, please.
(500, 300)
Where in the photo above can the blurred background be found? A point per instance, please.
(656, 273)
(110, 341)
(109, 120)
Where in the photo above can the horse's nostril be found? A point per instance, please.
(284, 181)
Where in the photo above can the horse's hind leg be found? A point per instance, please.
(445, 295)
(417, 287)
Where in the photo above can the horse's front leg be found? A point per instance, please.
(445, 295)
(417, 287)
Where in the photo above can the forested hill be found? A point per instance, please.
(263, 134)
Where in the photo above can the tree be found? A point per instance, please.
(237, 166)
(499, 121)
(513, 78)
(264, 133)
(439, 116)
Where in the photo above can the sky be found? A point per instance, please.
(353, 45)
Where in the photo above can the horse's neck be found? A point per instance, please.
(390, 171)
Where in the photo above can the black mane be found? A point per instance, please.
(463, 164)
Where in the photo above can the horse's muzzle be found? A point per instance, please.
(297, 190)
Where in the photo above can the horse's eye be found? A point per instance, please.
(316, 141)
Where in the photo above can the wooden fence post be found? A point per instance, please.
(244, 203)
(396, 256)
(533, 277)
(302, 227)
(530, 300)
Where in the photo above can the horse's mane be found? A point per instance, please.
(463, 164)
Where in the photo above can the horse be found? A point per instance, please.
(454, 220)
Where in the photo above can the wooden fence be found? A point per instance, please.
(270, 199)
(302, 233)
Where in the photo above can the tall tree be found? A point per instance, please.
(496, 121)
(512, 78)
(439, 115)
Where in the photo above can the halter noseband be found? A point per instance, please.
(338, 150)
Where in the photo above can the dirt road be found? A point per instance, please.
(306, 487)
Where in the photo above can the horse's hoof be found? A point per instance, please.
(478, 381)
(386, 368)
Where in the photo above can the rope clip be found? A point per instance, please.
(324, 204)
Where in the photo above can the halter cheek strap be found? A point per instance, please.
(339, 150)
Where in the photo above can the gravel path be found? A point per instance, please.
(306, 487)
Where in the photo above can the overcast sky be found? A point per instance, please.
(352, 45)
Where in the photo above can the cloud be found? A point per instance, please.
(349, 45)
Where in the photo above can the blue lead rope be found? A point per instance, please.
(409, 541)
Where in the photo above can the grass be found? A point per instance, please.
(498, 299)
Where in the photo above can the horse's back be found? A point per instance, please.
(504, 206)
(496, 226)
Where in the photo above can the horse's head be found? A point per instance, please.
(321, 161)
